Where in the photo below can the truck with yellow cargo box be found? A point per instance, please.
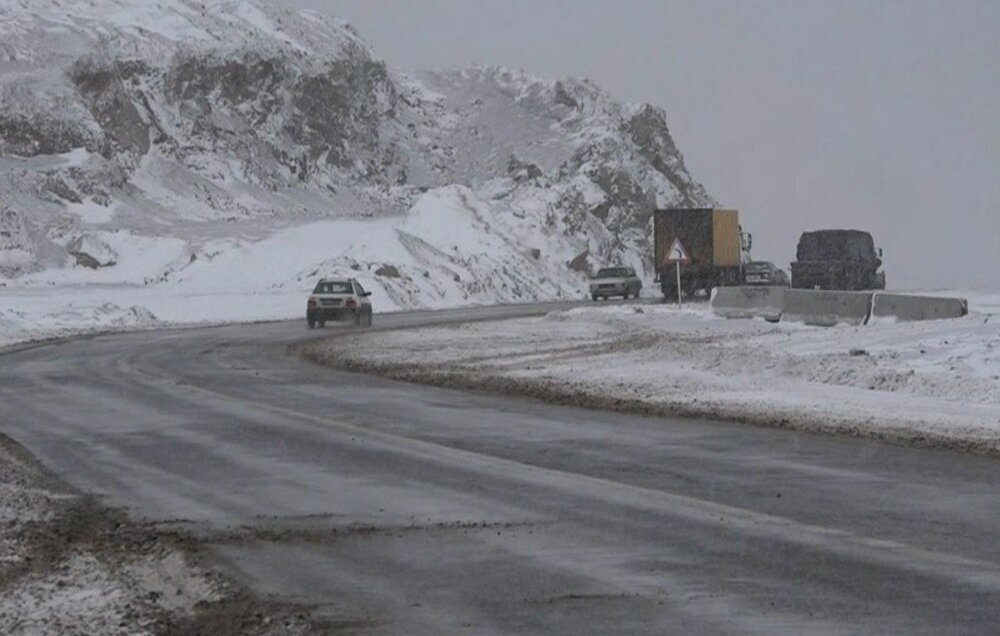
(713, 239)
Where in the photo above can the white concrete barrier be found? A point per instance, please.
(748, 302)
(827, 308)
(909, 307)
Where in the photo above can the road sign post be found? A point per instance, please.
(678, 264)
(678, 255)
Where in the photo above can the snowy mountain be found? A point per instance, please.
(229, 145)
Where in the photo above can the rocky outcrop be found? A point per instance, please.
(647, 128)
(177, 115)
(89, 251)
(103, 88)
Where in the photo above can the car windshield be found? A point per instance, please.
(760, 266)
(333, 287)
(614, 272)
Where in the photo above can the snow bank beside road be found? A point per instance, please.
(932, 383)
(70, 566)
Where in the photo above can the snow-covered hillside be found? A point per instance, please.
(229, 147)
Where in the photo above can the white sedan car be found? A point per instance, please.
(615, 281)
(336, 299)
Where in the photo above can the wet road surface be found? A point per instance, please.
(397, 508)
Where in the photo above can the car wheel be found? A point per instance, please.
(322, 324)
(594, 296)
(311, 323)
(357, 318)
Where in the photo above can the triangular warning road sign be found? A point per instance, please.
(677, 253)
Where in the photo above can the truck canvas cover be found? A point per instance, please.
(711, 237)
(836, 245)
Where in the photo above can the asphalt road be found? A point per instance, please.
(397, 508)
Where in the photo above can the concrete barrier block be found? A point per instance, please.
(748, 302)
(912, 307)
(827, 308)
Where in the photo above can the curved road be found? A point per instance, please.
(397, 508)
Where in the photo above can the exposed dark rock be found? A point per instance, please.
(388, 271)
(581, 262)
(237, 80)
(522, 170)
(85, 260)
(564, 98)
(338, 111)
(101, 85)
(91, 252)
(648, 131)
(30, 134)
(57, 185)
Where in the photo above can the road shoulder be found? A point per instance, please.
(70, 564)
(904, 384)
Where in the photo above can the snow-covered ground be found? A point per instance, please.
(70, 566)
(56, 576)
(934, 383)
(446, 251)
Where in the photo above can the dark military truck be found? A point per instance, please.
(712, 238)
(837, 259)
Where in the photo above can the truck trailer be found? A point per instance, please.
(712, 238)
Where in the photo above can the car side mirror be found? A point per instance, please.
(366, 294)
(880, 252)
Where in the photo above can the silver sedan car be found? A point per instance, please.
(615, 281)
(764, 273)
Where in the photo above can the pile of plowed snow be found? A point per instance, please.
(934, 383)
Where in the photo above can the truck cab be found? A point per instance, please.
(839, 260)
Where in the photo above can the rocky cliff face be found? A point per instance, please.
(211, 120)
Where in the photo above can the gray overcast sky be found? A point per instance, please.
(803, 114)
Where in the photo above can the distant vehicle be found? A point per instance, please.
(713, 239)
(837, 259)
(764, 273)
(615, 281)
(339, 299)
